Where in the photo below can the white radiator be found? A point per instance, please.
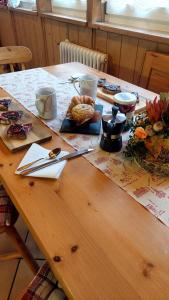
(70, 52)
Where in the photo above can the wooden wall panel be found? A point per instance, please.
(29, 33)
(114, 43)
(163, 48)
(73, 33)
(85, 37)
(42, 35)
(100, 41)
(7, 30)
(128, 58)
(55, 32)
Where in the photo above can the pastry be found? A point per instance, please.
(80, 100)
(81, 113)
(4, 104)
(9, 116)
(101, 82)
(13, 115)
(111, 89)
(19, 131)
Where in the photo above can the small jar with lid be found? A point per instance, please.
(126, 103)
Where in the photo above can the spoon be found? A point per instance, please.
(52, 154)
(72, 79)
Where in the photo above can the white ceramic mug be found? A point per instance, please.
(88, 85)
(46, 103)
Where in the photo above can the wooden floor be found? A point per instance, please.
(14, 274)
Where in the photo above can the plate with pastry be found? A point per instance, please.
(101, 82)
(19, 131)
(83, 116)
(9, 117)
(111, 89)
(19, 128)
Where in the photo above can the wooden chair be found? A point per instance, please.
(8, 217)
(15, 55)
(155, 73)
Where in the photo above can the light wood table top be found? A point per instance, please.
(121, 250)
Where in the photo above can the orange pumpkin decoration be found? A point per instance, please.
(140, 133)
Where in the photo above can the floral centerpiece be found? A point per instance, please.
(149, 140)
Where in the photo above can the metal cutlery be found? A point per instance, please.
(55, 161)
(52, 154)
(70, 80)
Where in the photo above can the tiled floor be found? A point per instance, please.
(15, 274)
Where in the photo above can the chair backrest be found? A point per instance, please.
(15, 55)
(155, 73)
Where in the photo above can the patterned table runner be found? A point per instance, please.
(149, 190)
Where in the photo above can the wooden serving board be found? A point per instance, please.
(109, 98)
(39, 133)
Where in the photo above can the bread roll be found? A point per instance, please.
(80, 100)
(82, 113)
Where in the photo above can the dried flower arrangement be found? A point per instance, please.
(149, 139)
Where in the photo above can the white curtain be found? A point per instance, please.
(74, 8)
(147, 9)
(27, 4)
(142, 14)
(71, 4)
(13, 3)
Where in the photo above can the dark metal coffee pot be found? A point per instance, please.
(111, 140)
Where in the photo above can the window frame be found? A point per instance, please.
(96, 20)
(154, 19)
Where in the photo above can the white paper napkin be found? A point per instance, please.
(36, 152)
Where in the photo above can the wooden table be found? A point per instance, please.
(121, 250)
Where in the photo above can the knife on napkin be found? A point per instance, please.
(57, 160)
